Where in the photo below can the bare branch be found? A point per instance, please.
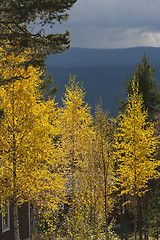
(12, 79)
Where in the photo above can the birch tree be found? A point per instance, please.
(26, 145)
(75, 127)
(135, 149)
(104, 128)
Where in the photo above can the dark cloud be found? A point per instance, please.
(114, 23)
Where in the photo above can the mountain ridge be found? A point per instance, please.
(104, 76)
(97, 57)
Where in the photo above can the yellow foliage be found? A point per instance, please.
(135, 148)
(74, 124)
(79, 147)
(104, 130)
(26, 146)
(75, 146)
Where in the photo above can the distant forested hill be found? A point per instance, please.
(102, 71)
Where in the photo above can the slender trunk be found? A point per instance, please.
(105, 172)
(140, 222)
(93, 221)
(157, 215)
(73, 187)
(135, 216)
(106, 217)
(91, 208)
(157, 227)
(135, 190)
(146, 217)
(15, 207)
(146, 230)
(72, 203)
(94, 214)
(135, 225)
(105, 169)
(16, 220)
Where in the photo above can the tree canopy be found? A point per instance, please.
(148, 87)
(19, 20)
(26, 145)
(135, 149)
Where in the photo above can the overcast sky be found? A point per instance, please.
(113, 23)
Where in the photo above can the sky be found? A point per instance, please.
(113, 23)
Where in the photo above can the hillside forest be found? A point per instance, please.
(86, 176)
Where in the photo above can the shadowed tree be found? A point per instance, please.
(148, 87)
(22, 25)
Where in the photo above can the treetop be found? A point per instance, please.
(19, 20)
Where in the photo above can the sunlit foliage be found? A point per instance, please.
(26, 145)
(135, 149)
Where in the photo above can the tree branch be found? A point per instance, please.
(12, 79)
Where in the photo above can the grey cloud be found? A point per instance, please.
(116, 12)
(114, 23)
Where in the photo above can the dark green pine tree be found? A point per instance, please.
(18, 26)
(148, 87)
(47, 87)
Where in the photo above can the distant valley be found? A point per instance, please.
(103, 72)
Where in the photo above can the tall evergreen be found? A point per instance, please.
(148, 87)
(22, 25)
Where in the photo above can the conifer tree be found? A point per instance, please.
(135, 149)
(26, 145)
(22, 24)
(148, 87)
